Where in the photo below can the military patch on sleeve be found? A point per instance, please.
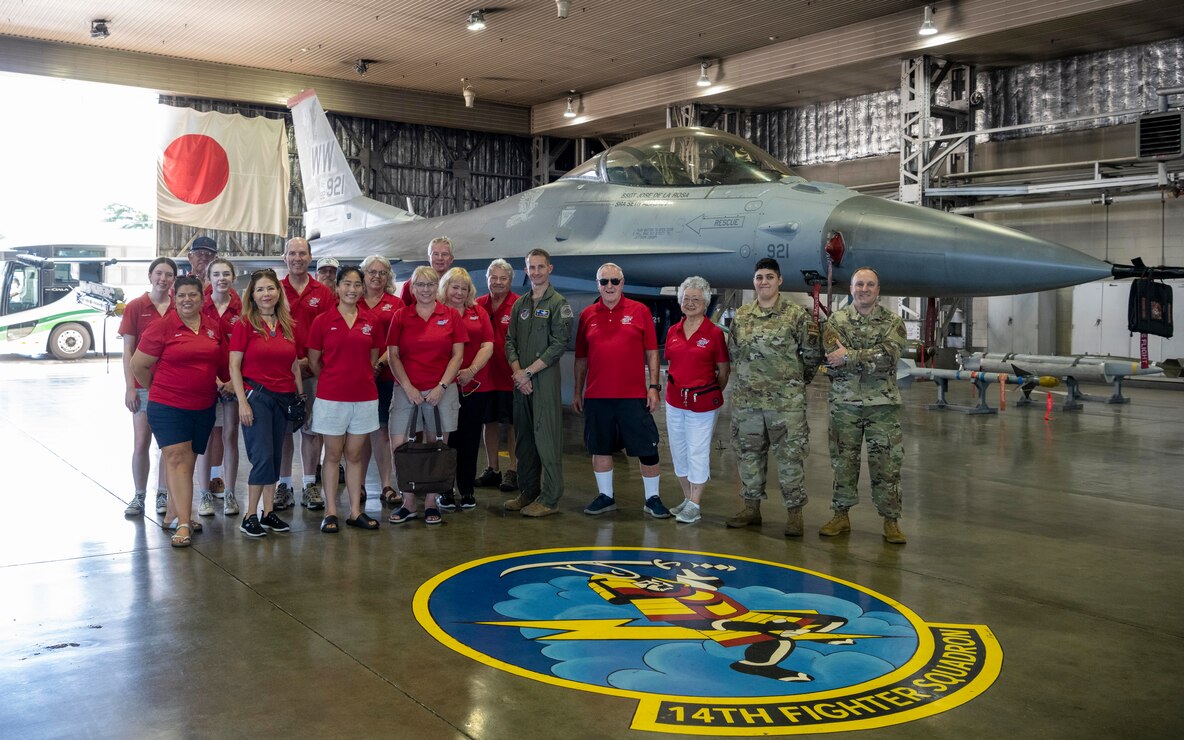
(565, 312)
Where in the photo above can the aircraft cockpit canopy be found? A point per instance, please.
(682, 157)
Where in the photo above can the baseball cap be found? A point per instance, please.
(204, 242)
(327, 262)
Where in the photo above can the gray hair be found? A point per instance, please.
(697, 283)
(499, 264)
(440, 240)
(613, 265)
(390, 271)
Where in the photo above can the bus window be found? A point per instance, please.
(24, 289)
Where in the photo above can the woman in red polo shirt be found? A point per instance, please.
(697, 371)
(139, 314)
(178, 360)
(425, 348)
(343, 348)
(266, 376)
(223, 305)
(457, 291)
(382, 303)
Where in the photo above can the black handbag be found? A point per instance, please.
(428, 466)
(294, 405)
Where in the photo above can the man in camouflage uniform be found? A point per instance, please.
(775, 352)
(863, 342)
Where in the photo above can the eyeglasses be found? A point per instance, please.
(377, 273)
(606, 281)
(423, 285)
(688, 299)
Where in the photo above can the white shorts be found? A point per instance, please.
(337, 418)
(689, 434)
(401, 413)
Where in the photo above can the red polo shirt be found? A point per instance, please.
(346, 372)
(187, 362)
(477, 327)
(425, 347)
(267, 359)
(139, 314)
(226, 322)
(306, 306)
(691, 362)
(614, 343)
(383, 313)
(497, 370)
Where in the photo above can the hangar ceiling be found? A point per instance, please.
(627, 60)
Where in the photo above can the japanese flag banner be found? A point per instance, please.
(222, 171)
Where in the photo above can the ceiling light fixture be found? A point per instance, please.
(928, 28)
(99, 30)
(570, 111)
(564, 7)
(704, 80)
(468, 92)
(476, 21)
(362, 66)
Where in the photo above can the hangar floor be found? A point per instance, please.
(1063, 537)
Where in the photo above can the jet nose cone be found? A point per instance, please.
(921, 251)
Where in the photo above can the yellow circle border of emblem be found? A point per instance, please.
(654, 712)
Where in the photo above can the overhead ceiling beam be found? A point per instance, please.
(773, 73)
(172, 76)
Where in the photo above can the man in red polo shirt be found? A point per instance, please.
(499, 380)
(616, 349)
(440, 257)
(307, 299)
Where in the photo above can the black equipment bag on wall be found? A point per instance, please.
(428, 466)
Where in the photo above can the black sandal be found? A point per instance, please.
(390, 497)
(329, 524)
(364, 521)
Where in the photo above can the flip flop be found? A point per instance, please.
(364, 521)
(431, 517)
(329, 524)
(194, 527)
(181, 540)
(402, 514)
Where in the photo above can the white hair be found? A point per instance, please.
(697, 283)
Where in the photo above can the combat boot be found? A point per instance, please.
(838, 524)
(793, 525)
(749, 515)
(892, 532)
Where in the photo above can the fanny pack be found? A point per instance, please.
(699, 398)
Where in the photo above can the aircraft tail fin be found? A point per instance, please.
(335, 203)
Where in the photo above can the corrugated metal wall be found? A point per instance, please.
(442, 170)
(869, 125)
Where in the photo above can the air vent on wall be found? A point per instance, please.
(1161, 135)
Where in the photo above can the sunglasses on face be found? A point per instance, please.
(606, 281)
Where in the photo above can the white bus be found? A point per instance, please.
(52, 300)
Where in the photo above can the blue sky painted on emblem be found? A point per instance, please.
(701, 667)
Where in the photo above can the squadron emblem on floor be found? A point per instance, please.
(707, 643)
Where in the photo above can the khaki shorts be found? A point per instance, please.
(401, 413)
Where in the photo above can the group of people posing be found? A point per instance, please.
(351, 364)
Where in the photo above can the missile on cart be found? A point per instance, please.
(1103, 368)
(907, 370)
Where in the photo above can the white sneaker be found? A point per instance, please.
(206, 507)
(136, 506)
(229, 504)
(162, 502)
(689, 514)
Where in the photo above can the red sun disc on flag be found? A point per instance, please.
(195, 168)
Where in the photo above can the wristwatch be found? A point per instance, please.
(444, 386)
(656, 386)
(529, 375)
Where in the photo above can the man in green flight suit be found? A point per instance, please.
(863, 342)
(775, 352)
(540, 323)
